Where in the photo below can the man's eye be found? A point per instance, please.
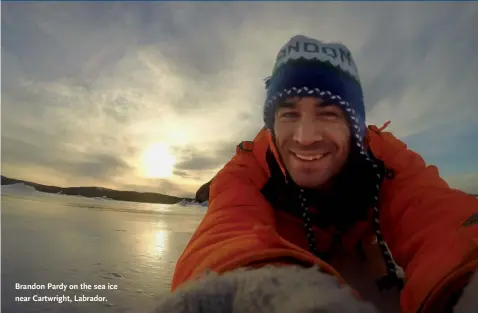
(329, 114)
(289, 114)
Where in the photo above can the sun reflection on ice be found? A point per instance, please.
(161, 241)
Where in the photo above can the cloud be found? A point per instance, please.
(88, 86)
(94, 167)
(180, 173)
(199, 161)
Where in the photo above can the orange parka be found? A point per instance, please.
(430, 228)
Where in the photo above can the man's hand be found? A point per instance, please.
(287, 289)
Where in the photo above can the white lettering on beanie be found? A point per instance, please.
(308, 48)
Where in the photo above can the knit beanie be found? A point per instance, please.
(308, 67)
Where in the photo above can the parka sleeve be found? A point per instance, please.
(430, 228)
(239, 227)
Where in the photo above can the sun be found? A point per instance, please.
(158, 161)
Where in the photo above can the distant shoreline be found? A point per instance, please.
(98, 192)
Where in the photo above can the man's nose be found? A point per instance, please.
(307, 132)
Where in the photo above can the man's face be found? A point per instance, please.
(312, 138)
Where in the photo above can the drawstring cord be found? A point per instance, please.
(308, 224)
(386, 282)
(391, 279)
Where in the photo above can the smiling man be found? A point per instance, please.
(319, 187)
(312, 138)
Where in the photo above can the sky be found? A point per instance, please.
(89, 87)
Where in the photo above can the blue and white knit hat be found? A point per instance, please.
(309, 67)
(306, 66)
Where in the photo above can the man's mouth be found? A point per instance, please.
(309, 157)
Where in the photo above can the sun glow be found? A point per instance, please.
(158, 161)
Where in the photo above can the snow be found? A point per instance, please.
(20, 189)
(49, 238)
(185, 202)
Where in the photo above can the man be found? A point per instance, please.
(319, 187)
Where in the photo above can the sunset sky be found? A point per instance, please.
(89, 88)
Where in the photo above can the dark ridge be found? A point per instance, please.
(94, 192)
(203, 192)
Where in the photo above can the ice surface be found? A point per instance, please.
(57, 238)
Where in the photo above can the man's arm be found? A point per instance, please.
(238, 229)
(227, 229)
(430, 228)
